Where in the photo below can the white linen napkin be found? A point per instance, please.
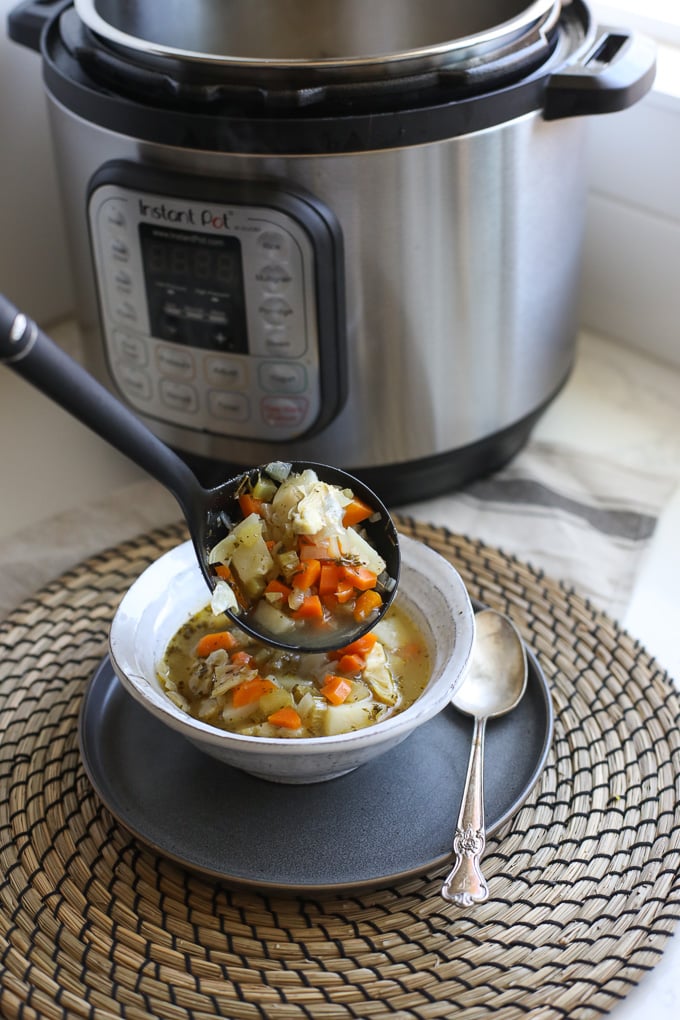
(578, 518)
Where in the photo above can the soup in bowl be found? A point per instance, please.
(287, 717)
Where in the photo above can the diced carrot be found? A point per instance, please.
(361, 577)
(331, 582)
(355, 512)
(249, 504)
(351, 663)
(211, 642)
(223, 571)
(242, 658)
(336, 689)
(366, 604)
(411, 649)
(361, 646)
(251, 690)
(317, 548)
(277, 587)
(286, 717)
(329, 578)
(344, 592)
(305, 548)
(311, 609)
(308, 574)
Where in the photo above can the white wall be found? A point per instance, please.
(631, 272)
(33, 270)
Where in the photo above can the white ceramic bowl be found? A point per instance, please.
(172, 589)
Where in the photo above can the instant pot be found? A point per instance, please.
(346, 231)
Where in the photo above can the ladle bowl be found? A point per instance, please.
(209, 513)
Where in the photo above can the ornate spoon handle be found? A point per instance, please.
(465, 883)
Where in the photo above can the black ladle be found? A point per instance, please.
(208, 512)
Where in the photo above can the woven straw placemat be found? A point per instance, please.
(584, 879)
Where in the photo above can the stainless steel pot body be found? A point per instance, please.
(462, 275)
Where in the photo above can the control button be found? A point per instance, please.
(120, 251)
(225, 372)
(176, 362)
(173, 329)
(134, 383)
(274, 243)
(279, 377)
(131, 349)
(194, 313)
(172, 324)
(274, 275)
(229, 406)
(283, 344)
(125, 311)
(123, 281)
(115, 216)
(284, 412)
(275, 311)
(179, 396)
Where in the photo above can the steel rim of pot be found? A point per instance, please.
(534, 21)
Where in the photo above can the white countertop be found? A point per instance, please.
(619, 405)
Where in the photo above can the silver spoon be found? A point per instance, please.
(209, 513)
(494, 685)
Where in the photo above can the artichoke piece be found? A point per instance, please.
(244, 549)
(252, 563)
(245, 533)
(178, 699)
(355, 547)
(377, 675)
(227, 681)
(359, 692)
(223, 598)
(347, 717)
(208, 709)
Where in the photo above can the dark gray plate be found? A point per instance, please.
(390, 818)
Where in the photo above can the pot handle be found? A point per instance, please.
(26, 21)
(615, 73)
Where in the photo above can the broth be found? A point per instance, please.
(234, 682)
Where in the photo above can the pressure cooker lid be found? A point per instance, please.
(347, 40)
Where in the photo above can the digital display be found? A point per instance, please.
(194, 288)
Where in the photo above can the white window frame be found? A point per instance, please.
(658, 18)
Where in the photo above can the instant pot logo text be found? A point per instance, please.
(165, 213)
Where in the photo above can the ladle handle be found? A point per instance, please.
(30, 352)
(465, 884)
